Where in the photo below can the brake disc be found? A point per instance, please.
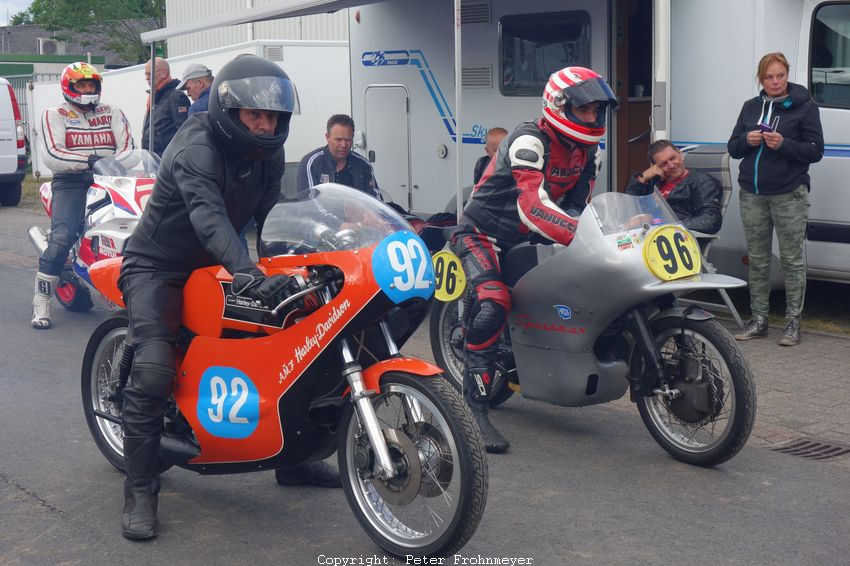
(404, 487)
(436, 460)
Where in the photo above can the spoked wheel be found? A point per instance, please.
(434, 504)
(99, 381)
(447, 347)
(73, 296)
(707, 417)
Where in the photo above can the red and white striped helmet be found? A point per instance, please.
(572, 87)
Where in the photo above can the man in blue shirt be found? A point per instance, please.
(197, 80)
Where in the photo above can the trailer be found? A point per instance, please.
(126, 88)
(680, 68)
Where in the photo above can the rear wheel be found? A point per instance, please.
(73, 296)
(711, 414)
(10, 194)
(447, 347)
(99, 383)
(434, 504)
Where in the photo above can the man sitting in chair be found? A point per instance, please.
(694, 196)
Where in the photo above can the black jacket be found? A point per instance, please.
(319, 166)
(766, 171)
(201, 199)
(696, 201)
(480, 166)
(171, 109)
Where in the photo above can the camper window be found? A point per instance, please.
(533, 46)
(829, 56)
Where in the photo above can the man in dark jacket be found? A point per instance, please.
(196, 82)
(171, 107)
(224, 168)
(694, 196)
(336, 163)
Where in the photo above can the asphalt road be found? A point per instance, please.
(579, 486)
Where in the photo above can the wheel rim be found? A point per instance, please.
(707, 433)
(431, 512)
(451, 342)
(103, 384)
(66, 292)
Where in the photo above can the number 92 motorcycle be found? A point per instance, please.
(259, 388)
(598, 317)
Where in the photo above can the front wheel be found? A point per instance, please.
(447, 347)
(709, 415)
(434, 504)
(73, 296)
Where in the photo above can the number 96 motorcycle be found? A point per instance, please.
(259, 388)
(598, 317)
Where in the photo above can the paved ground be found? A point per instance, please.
(803, 391)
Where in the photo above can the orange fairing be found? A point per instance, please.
(104, 276)
(272, 363)
(372, 374)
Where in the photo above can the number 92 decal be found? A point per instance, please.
(228, 403)
(402, 268)
(671, 253)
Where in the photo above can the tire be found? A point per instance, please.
(103, 352)
(10, 194)
(73, 296)
(447, 347)
(434, 506)
(702, 435)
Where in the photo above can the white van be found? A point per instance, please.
(13, 155)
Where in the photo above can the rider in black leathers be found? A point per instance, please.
(221, 169)
(540, 178)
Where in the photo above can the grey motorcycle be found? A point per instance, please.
(599, 317)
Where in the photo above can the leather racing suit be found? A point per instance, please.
(524, 192)
(73, 138)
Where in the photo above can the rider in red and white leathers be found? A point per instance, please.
(538, 182)
(76, 133)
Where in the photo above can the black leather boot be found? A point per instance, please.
(141, 488)
(791, 334)
(476, 392)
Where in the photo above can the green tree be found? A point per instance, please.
(115, 22)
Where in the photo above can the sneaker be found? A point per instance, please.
(318, 473)
(756, 328)
(791, 335)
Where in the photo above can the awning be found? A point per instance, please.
(275, 11)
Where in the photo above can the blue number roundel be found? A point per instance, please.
(228, 403)
(402, 267)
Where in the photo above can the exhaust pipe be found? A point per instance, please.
(38, 239)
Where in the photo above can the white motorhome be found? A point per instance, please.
(681, 69)
(126, 88)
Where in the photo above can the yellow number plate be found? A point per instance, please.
(671, 253)
(448, 272)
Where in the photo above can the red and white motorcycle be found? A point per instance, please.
(114, 204)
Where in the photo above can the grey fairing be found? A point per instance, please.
(599, 283)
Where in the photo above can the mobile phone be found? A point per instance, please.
(765, 128)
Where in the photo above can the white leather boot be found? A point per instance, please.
(44, 287)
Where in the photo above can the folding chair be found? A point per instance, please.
(706, 240)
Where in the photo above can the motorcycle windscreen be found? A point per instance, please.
(328, 217)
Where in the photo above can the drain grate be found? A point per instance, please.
(812, 449)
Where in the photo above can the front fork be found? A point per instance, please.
(653, 373)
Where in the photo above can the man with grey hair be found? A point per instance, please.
(197, 80)
(171, 107)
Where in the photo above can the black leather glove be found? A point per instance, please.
(269, 290)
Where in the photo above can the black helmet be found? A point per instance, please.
(249, 81)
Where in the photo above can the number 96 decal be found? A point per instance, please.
(451, 280)
(671, 253)
(228, 403)
(402, 267)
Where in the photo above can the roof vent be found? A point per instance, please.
(273, 52)
(477, 76)
(475, 12)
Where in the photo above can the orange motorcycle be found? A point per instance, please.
(259, 388)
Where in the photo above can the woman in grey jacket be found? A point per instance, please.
(778, 134)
